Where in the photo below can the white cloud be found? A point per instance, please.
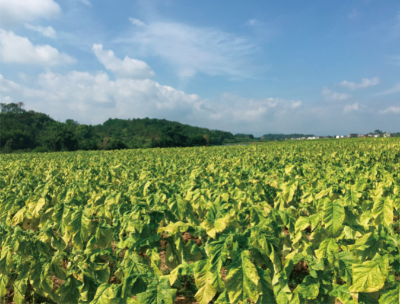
(16, 11)
(192, 49)
(334, 96)
(240, 109)
(8, 85)
(94, 98)
(395, 110)
(127, 68)
(392, 90)
(365, 83)
(17, 49)
(136, 22)
(45, 31)
(6, 99)
(351, 107)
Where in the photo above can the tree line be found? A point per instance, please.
(26, 131)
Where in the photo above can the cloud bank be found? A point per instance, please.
(94, 97)
(334, 96)
(127, 68)
(45, 31)
(17, 49)
(365, 83)
(191, 50)
(16, 11)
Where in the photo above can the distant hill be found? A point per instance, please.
(284, 136)
(140, 130)
(30, 130)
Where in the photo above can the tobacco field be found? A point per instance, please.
(287, 223)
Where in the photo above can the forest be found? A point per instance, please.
(26, 131)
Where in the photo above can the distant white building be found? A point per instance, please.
(313, 137)
(387, 135)
(377, 135)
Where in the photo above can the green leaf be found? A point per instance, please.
(133, 284)
(3, 284)
(103, 294)
(104, 236)
(174, 228)
(19, 216)
(370, 276)
(183, 269)
(160, 293)
(367, 246)
(365, 298)
(302, 223)
(350, 198)
(88, 289)
(20, 284)
(307, 291)
(342, 293)
(242, 279)
(6, 260)
(327, 249)
(207, 273)
(323, 193)
(79, 227)
(346, 261)
(204, 277)
(333, 217)
(35, 207)
(219, 225)
(224, 299)
(68, 292)
(383, 211)
(391, 295)
(173, 257)
(265, 289)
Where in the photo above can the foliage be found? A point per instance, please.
(174, 137)
(287, 223)
(22, 130)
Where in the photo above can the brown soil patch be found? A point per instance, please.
(56, 282)
(187, 237)
(223, 274)
(285, 231)
(162, 258)
(182, 300)
(301, 266)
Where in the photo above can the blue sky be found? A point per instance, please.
(321, 67)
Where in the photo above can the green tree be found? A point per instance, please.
(115, 144)
(61, 139)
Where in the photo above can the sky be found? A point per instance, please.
(317, 67)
